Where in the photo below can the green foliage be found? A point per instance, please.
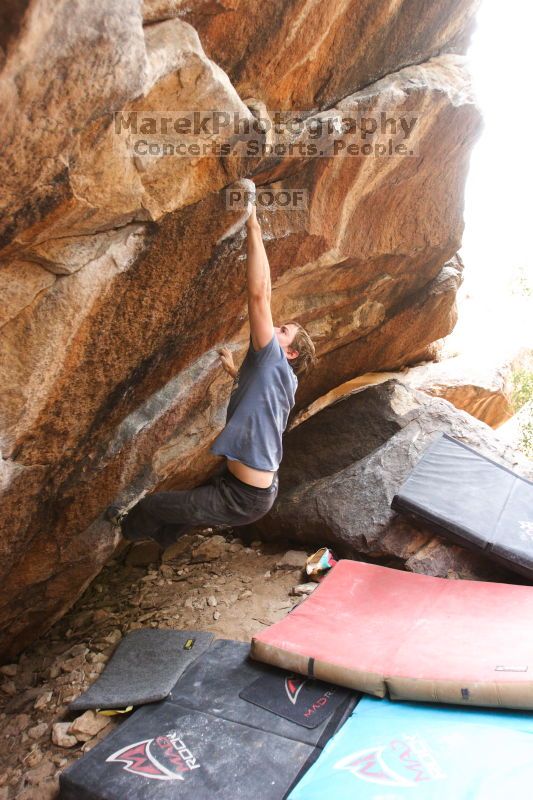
(523, 388)
(523, 396)
(526, 438)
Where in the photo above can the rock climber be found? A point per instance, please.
(262, 396)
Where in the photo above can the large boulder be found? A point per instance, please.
(342, 467)
(484, 391)
(122, 275)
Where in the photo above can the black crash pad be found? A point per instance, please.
(224, 679)
(296, 698)
(472, 501)
(169, 752)
(144, 668)
(203, 741)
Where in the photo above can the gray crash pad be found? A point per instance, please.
(472, 501)
(144, 668)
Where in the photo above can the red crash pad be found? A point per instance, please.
(380, 630)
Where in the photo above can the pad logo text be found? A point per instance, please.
(404, 761)
(165, 758)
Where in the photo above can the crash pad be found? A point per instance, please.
(377, 629)
(144, 668)
(296, 698)
(473, 501)
(224, 678)
(203, 741)
(169, 752)
(395, 750)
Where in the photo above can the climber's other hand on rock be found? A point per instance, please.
(226, 359)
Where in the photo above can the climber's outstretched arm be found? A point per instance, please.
(258, 282)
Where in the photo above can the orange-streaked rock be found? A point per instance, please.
(304, 55)
(124, 274)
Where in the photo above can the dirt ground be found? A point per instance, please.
(209, 582)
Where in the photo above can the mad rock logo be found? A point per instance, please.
(293, 686)
(165, 758)
(403, 762)
(322, 701)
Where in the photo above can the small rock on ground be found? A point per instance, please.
(87, 725)
(303, 589)
(38, 730)
(210, 549)
(61, 737)
(293, 559)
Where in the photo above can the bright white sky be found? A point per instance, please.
(498, 211)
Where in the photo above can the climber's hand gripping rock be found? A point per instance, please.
(226, 358)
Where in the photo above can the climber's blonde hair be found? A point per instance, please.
(306, 358)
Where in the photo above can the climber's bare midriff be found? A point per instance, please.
(255, 477)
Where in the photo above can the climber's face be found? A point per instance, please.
(285, 335)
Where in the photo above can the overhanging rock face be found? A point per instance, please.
(122, 275)
(302, 55)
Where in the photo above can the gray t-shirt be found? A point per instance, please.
(261, 399)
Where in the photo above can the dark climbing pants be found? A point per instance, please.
(223, 500)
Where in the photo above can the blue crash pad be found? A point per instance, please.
(391, 750)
